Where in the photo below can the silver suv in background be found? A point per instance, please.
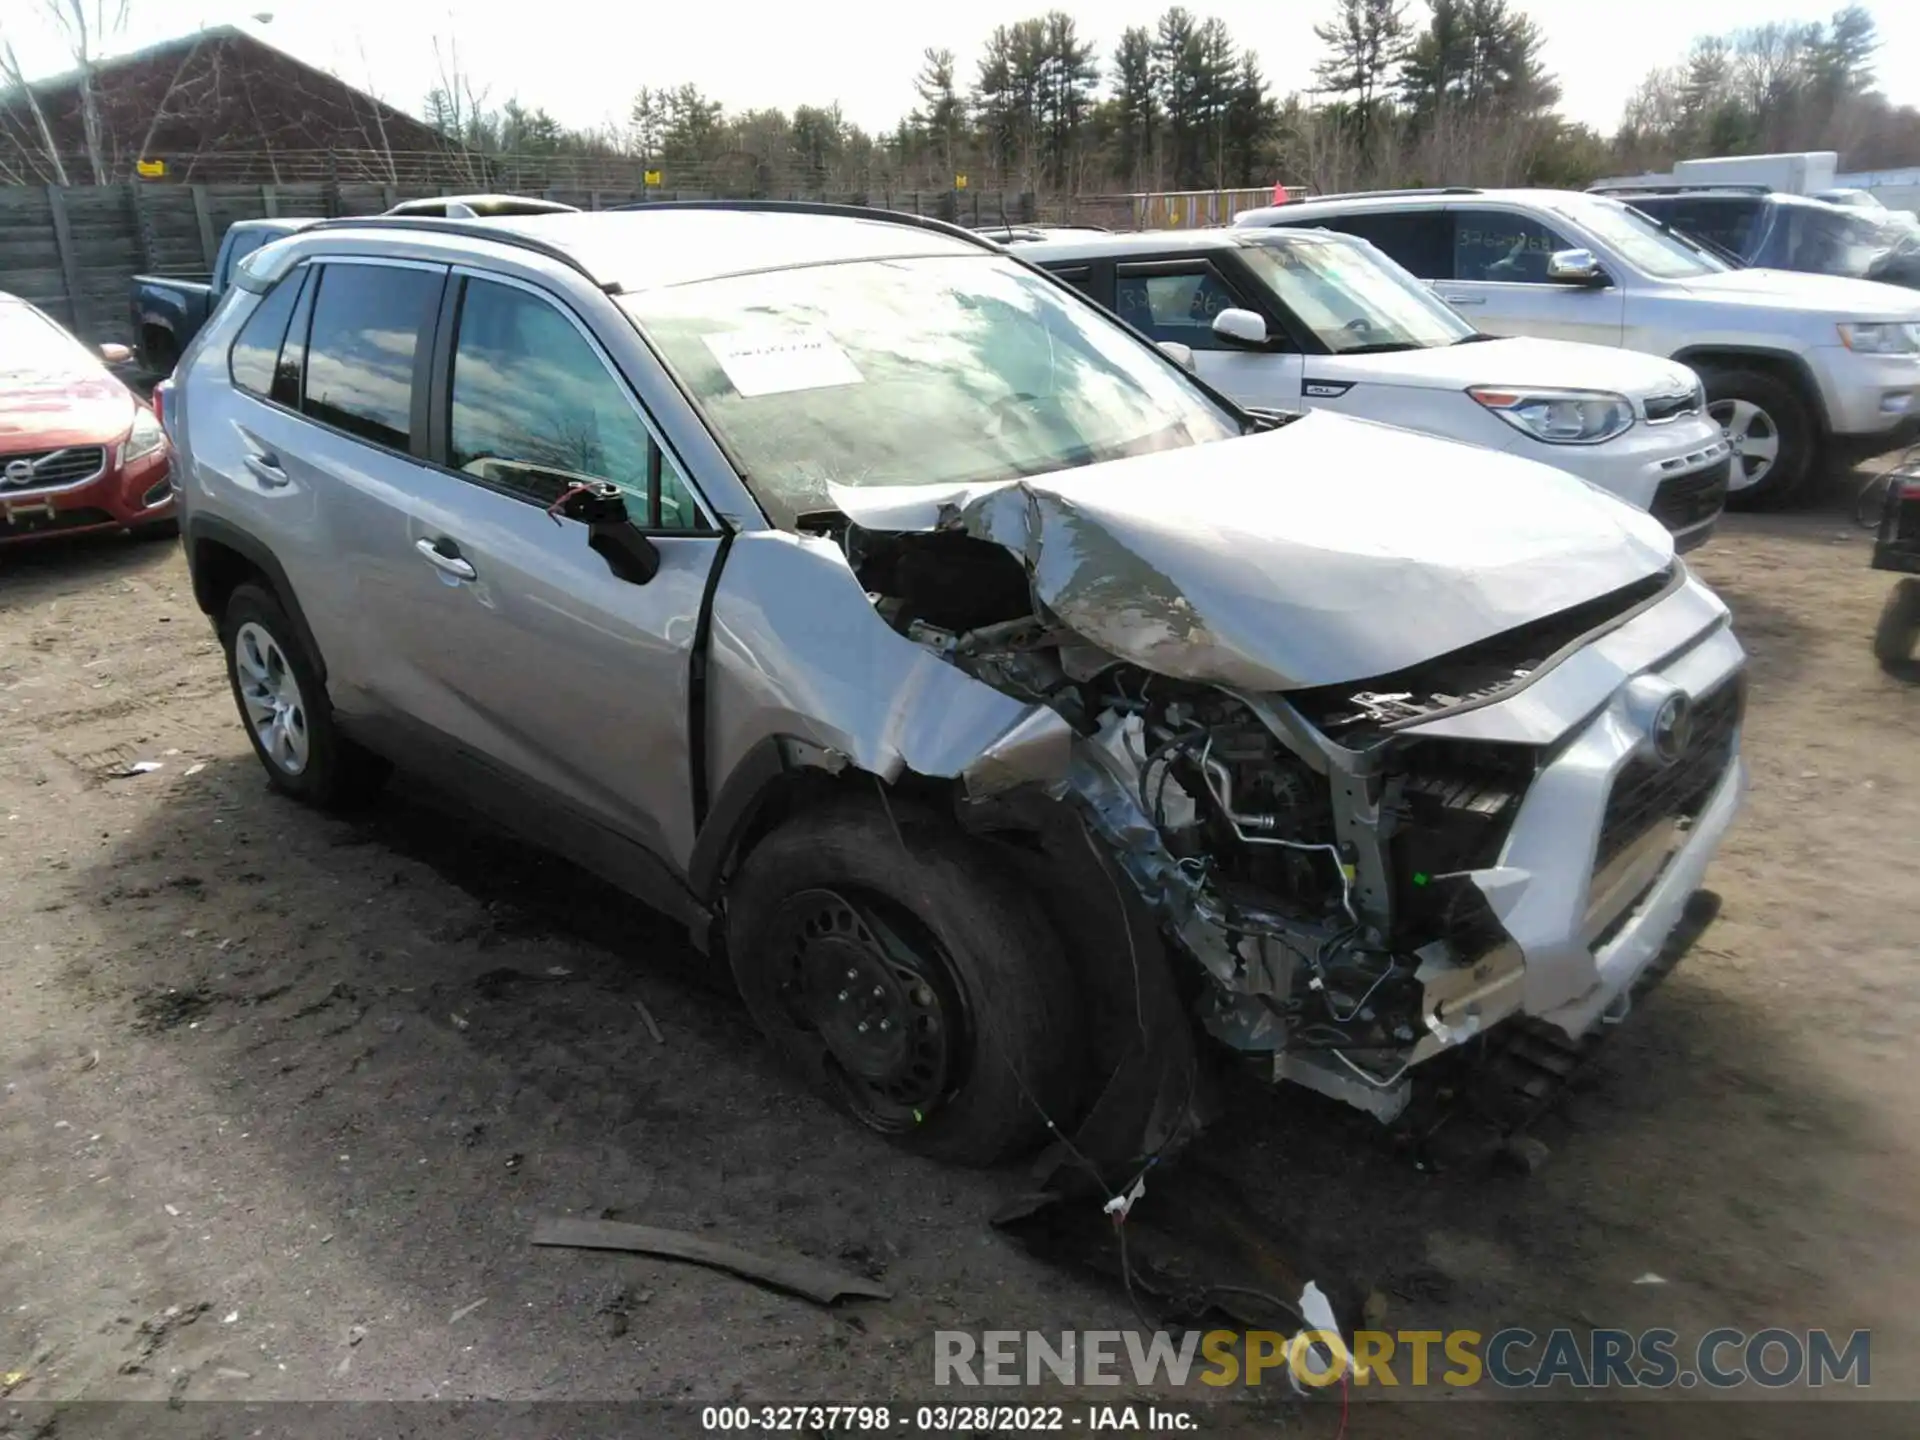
(1802, 370)
(997, 698)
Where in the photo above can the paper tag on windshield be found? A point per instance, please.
(775, 361)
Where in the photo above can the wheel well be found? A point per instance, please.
(1789, 369)
(157, 341)
(219, 570)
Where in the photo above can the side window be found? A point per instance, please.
(535, 411)
(256, 349)
(1503, 248)
(1078, 276)
(366, 329)
(1419, 241)
(1178, 306)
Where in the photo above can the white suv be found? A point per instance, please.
(1292, 319)
(1802, 370)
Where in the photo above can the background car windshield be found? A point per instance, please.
(1837, 242)
(946, 370)
(1639, 241)
(1352, 297)
(31, 344)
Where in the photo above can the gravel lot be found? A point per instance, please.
(312, 1081)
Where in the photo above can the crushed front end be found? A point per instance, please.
(1371, 875)
(1505, 817)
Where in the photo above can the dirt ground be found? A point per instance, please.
(284, 1095)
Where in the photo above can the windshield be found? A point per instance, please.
(31, 344)
(1640, 241)
(1351, 296)
(948, 370)
(1835, 241)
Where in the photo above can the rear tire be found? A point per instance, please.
(283, 705)
(1772, 433)
(1897, 637)
(909, 978)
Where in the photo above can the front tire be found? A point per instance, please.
(1772, 434)
(909, 978)
(1897, 637)
(283, 705)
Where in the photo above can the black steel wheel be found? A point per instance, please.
(891, 961)
(886, 1012)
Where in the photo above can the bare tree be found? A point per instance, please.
(10, 72)
(88, 27)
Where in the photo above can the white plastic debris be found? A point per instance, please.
(1650, 1279)
(143, 767)
(1120, 1205)
(1317, 1311)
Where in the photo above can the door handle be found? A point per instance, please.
(446, 564)
(266, 469)
(1464, 299)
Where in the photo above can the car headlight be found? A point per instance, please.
(1559, 417)
(144, 438)
(1881, 337)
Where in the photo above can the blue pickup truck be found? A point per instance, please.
(168, 310)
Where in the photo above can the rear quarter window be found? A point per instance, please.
(256, 349)
(1419, 241)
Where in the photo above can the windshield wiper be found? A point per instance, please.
(1380, 347)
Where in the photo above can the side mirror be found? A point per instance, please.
(1240, 327)
(1575, 267)
(1181, 355)
(115, 354)
(630, 555)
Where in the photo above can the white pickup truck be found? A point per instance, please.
(1803, 371)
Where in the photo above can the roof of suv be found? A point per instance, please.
(662, 244)
(1301, 210)
(1101, 247)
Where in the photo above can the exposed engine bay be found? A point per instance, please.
(1320, 882)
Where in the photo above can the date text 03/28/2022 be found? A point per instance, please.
(942, 1419)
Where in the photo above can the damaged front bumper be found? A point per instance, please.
(1640, 776)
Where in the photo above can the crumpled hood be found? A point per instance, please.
(1333, 549)
(1840, 296)
(1518, 363)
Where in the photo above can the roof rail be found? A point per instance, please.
(1387, 194)
(469, 207)
(1675, 187)
(821, 207)
(471, 229)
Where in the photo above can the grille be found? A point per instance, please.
(55, 467)
(1671, 407)
(1689, 499)
(1647, 792)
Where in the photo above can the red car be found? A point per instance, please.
(78, 450)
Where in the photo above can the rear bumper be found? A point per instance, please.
(123, 497)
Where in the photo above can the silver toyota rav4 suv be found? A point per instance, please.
(1003, 704)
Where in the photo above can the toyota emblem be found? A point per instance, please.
(18, 472)
(1672, 729)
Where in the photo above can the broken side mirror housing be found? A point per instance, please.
(1575, 267)
(1240, 327)
(602, 508)
(1181, 355)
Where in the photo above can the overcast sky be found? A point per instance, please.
(583, 59)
